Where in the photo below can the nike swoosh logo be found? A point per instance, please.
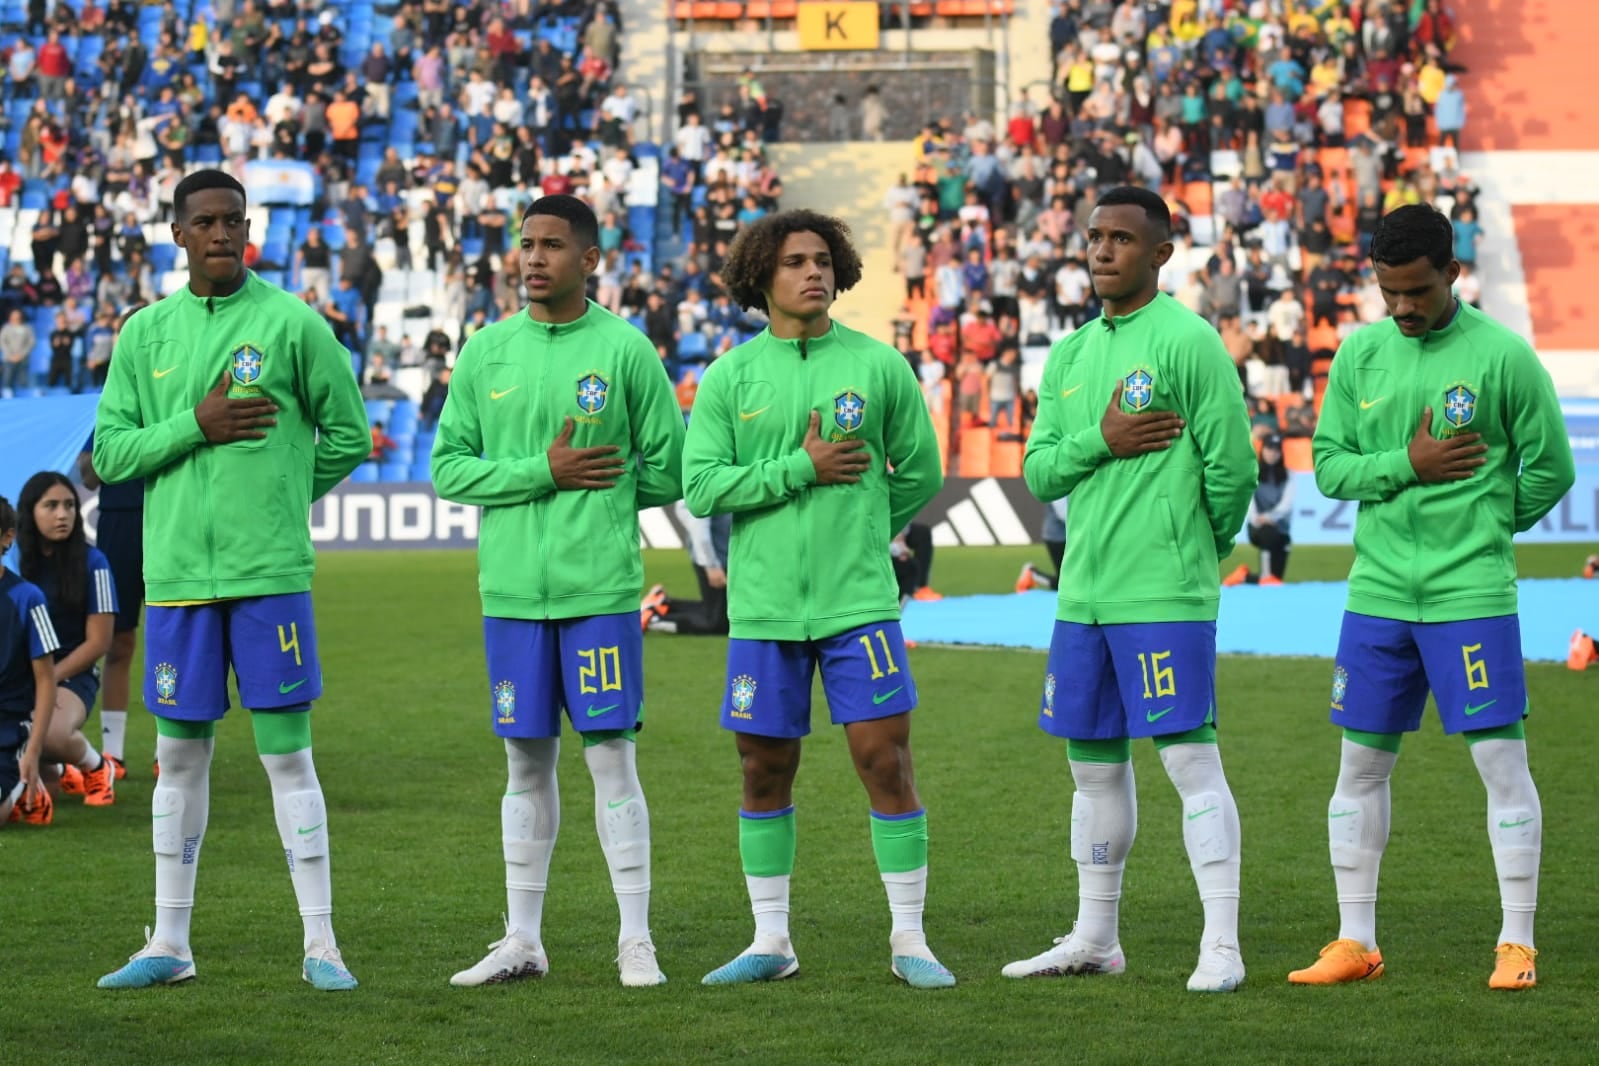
(495, 394)
(1201, 814)
(310, 829)
(1155, 716)
(883, 697)
(284, 688)
(595, 712)
(1366, 405)
(1067, 392)
(169, 814)
(1514, 825)
(613, 804)
(159, 374)
(747, 415)
(520, 792)
(1470, 710)
(1342, 814)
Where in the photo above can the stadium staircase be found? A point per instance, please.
(849, 180)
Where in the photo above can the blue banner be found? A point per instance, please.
(42, 433)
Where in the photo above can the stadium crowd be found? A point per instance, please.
(1280, 133)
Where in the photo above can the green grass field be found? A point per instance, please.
(413, 778)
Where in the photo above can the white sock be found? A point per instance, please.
(907, 899)
(1210, 833)
(302, 817)
(113, 730)
(178, 810)
(1357, 833)
(1104, 823)
(530, 817)
(769, 904)
(90, 760)
(1515, 829)
(623, 823)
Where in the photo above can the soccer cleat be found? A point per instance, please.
(41, 811)
(1237, 577)
(72, 781)
(913, 963)
(927, 595)
(1514, 968)
(1025, 581)
(768, 959)
(324, 970)
(653, 606)
(1270, 579)
(1069, 958)
(1341, 962)
(1590, 566)
(117, 764)
(635, 958)
(1220, 969)
(99, 785)
(511, 958)
(1580, 654)
(156, 963)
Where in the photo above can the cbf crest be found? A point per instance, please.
(505, 702)
(246, 365)
(743, 694)
(166, 683)
(1138, 389)
(592, 392)
(1049, 694)
(1340, 685)
(849, 410)
(1460, 405)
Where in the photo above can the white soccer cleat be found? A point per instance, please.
(1220, 969)
(636, 961)
(511, 958)
(1070, 957)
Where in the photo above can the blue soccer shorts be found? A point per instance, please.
(1138, 679)
(865, 676)
(1385, 668)
(592, 667)
(269, 642)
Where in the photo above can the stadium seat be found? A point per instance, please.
(1296, 454)
(975, 447)
(421, 470)
(394, 471)
(366, 474)
(694, 347)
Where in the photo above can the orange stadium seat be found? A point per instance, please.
(757, 9)
(950, 8)
(1198, 196)
(1357, 117)
(976, 444)
(706, 10)
(921, 9)
(683, 10)
(1005, 458)
(1296, 453)
(729, 11)
(785, 9)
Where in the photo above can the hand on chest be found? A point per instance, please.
(1390, 406)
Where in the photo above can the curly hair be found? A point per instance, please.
(752, 260)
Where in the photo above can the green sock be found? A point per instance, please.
(900, 841)
(766, 842)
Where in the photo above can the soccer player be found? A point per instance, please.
(707, 549)
(119, 534)
(562, 424)
(27, 688)
(54, 555)
(1445, 427)
(236, 405)
(794, 433)
(1158, 481)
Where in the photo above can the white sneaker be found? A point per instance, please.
(636, 960)
(1220, 969)
(1070, 957)
(511, 958)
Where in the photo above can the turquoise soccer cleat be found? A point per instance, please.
(156, 963)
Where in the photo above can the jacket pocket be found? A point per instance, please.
(1181, 540)
(266, 530)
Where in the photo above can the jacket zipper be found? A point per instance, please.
(539, 516)
(1410, 518)
(210, 521)
(804, 500)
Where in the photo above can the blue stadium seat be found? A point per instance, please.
(163, 257)
(208, 154)
(379, 410)
(637, 322)
(273, 277)
(366, 474)
(394, 471)
(35, 199)
(694, 346)
(403, 417)
(420, 470)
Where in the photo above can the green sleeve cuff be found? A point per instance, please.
(800, 471)
(1396, 467)
(539, 477)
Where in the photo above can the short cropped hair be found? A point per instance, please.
(199, 181)
(1155, 208)
(1412, 232)
(577, 213)
(752, 260)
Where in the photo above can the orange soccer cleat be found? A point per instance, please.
(72, 781)
(1580, 653)
(927, 595)
(1341, 962)
(99, 786)
(1237, 577)
(40, 812)
(1513, 968)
